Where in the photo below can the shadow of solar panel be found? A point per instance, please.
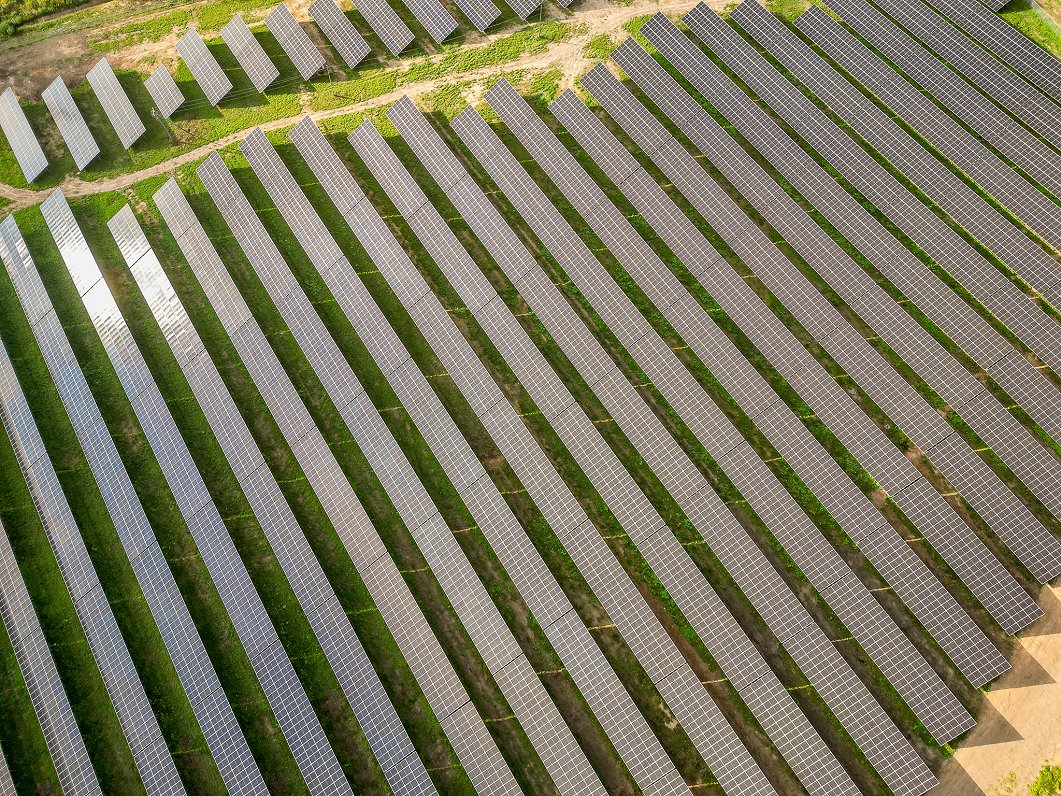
(249, 53)
(164, 91)
(78, 138)
(340, 32)
(20, 136)
(204, 67)
(120, 111)
(295, 42)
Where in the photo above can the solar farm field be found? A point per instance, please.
(484, 397)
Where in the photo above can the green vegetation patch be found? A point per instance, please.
(1030, 18)
(1047, 783)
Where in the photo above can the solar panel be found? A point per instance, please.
(183, 643)
(249, 53)
(920, 350)
(78, 138)
(20, 136)
(437, 21)
(294, 41)
(481, 13)
(204, 67)
(340, 32)
(934, 703)
(386, 24)
(392, 596)
(616, 592)
(772, 705)
(524, 8)
(120, 111)
(127, 694)
(455, 573)
(164, 91)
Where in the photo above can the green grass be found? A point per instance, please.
(16, 13)
(1029, 18)
(272, 585)
(1047, 783)
(206, 18)
(599, 47)
(212, 621)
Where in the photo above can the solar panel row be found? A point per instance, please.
(46, 692)
(197, 676)
(970, 557)
(204, 67)
(558, 747)
(789, 620)
(921, 351)
(701, 719)
(90, 601)
(164, 91)
(340, 32)
(249, 53)
(386, 24)
(1021, 99)
(804, 750)
(20, 137)
(426, 657)
(437, 21)
(993, 289)
(72, 127)
(344, 651)
(120, 111)
(295, 42)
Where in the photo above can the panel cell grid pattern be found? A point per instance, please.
(164, 91)
(340, 32)
(810, 758)
(182, 641)
(531, 704)
(20, 137)
(295, 42)
(1032, 542)
(631, 615)
(116, 104)
(249, 53)
(1003, 298)
(396, 604)
(985, 575)
(72, 127)
(481, 13)
(123, 684)
(437, 21)
(386, 24)
(342, 648)
(296, 717)
(204, 67)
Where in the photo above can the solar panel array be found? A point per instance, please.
(72, 127)
(204, 67)
(249, 53)
(120, 111)
(340, 32)
(1031, 541)
(731, 426)
(164, 91)
(295, 42)
(197, 676)
(20, 137)
(112, 657)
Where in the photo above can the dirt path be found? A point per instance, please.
(1019, 729)
(593, 18)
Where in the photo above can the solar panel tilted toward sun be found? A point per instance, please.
(249, 53)
(295, 42)
(72, 126)
(116, 104)
(164, 91)
(20, 136)
(340, 32)
(204, 67)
